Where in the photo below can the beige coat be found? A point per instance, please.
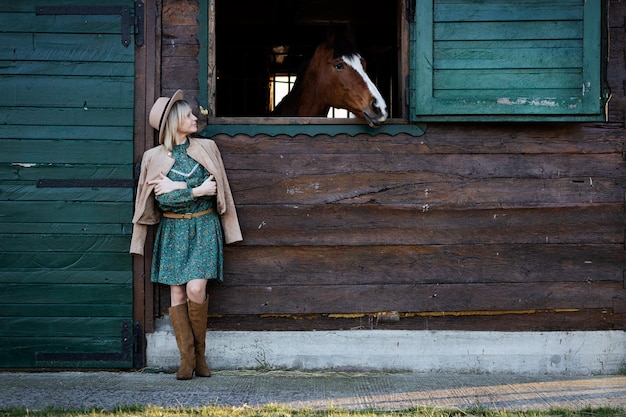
(157, 160)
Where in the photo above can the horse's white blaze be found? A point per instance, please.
(355, 62)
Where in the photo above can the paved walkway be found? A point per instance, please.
(80, 390)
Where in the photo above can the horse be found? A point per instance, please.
(334, 77)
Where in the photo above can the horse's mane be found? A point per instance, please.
(343, 45)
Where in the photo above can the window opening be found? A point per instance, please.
(256, 48)
(280, 85)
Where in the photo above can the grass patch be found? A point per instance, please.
(278, 411)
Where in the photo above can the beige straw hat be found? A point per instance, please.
(161, 109)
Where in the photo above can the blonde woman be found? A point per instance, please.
(184, 189)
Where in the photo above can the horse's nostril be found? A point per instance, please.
(376, 108)
(380, 107)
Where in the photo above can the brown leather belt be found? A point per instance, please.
(186, 215)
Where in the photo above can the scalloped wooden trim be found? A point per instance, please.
(313, 129)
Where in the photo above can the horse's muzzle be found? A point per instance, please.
(377, 117)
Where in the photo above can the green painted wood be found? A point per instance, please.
(66, 113)
(313, 129)
(60, 243)
(76, 68)
(25, 173)
(112, 294)
(593, 50)
(45, 151)
(506, 79)
(75, 116)
(59, 47)
(529, 60)
(24, 6)
(65, 310)
(518, 95)
(80, 92)
(30, 131)
(77, 229)
(67, 211)
(32, 193)
(506, 31)
(455, 10)
(508, 55)
(64, 261)
(23, 22)
(22, 352)
(60, 326)
(60, 276)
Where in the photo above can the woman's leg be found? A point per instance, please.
(179, 317)
(198, 312)
(196, 291)
(178, 295)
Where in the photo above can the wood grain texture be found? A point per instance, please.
(473, 226)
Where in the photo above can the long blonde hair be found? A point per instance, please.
(179, 111)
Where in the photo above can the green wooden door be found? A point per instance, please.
(66, 140)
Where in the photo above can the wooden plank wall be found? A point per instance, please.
(66, 132)
(471, 226)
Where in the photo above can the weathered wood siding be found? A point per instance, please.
(508, 226)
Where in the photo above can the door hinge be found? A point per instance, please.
(122, 11)
(139, 13)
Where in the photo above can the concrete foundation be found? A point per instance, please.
(563, 353)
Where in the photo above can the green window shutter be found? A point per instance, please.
(502, 60)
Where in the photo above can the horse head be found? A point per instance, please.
(335, 77)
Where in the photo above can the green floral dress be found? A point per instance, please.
(187, 249)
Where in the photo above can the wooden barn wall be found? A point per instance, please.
(507, 226)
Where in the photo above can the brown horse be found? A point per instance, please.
(334, 77)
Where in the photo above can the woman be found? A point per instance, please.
(184, 189)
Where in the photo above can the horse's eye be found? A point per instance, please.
(339, 66)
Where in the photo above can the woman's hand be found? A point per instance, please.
(208, 187)
(164, 185)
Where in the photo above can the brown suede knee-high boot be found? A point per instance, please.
(197, 316)
(184, 339)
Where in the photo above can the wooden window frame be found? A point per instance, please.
(306, 125)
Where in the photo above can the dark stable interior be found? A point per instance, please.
(251, 37)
